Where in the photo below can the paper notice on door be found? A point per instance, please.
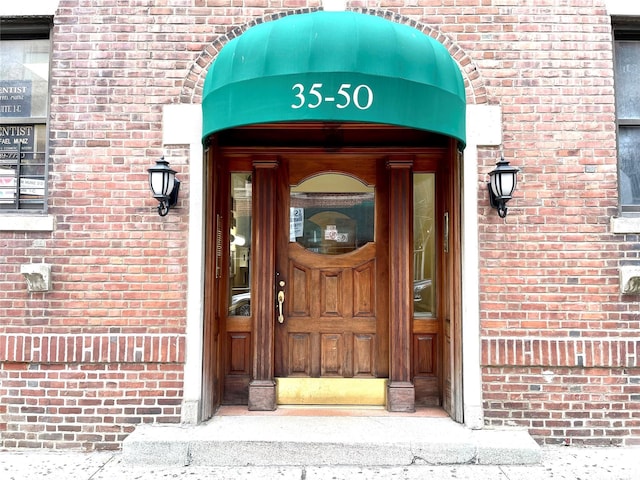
(331, 232)
(296, 223)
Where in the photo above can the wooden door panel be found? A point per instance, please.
(299, 354)
(239, 351)
(364, 298)
(424, 354)
(332, 293)
(299, 289)
(331, 354)
(425, 365)
(364, 354)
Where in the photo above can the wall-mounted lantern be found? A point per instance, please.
(164, 185)
(502, 183)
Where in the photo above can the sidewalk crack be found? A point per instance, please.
(101, 467)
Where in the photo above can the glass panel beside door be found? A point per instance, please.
(240, 245)
(424, 251)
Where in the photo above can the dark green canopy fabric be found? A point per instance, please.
(335, 66)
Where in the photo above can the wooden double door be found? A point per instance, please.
(329, 278)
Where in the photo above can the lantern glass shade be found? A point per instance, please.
(161, 179)
(164, 185)
(502, 183)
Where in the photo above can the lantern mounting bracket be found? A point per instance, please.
(498, 203)
(171, 201)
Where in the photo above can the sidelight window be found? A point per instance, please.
(240, 245)
(423, 243)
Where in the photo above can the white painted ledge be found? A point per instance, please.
(623, 7)
(624, 225)
(27, 223)
(29, 8)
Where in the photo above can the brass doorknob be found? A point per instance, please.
(280, 302)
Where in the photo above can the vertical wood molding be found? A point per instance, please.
(262, 389)
(211, 362)
(456, 281)
(401, 392)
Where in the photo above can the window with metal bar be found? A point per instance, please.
(24, 107)
(627, 90)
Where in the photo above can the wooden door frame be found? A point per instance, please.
(211, 355)
(400, 389)
(455, 296)
(262, 386)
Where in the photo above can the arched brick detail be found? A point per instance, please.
(476, 92)
(194, 81)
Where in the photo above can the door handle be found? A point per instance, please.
(280, 302)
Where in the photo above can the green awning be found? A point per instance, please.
(335, 66)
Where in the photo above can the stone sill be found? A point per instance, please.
(624, 225)
(26, 223)
(629, 275)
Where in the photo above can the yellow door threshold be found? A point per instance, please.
(328, 411)
(331, 391)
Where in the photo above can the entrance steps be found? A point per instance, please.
(366, 437)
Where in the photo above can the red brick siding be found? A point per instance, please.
(578, 406)
(85, 406)
(564, 352)
(104, 349)
(74, 348)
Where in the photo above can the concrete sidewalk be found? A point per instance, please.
(558, 463)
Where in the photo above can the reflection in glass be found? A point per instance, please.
(24, 89)
(627, 55)
(240, 245)
(629, 165)
(332, 214)
(22, 162)
(24, 77)
(423, 243)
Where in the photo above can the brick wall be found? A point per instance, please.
(104, 349)
(559, 341)
(563, 405)
(559, 348)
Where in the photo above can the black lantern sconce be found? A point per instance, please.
(502, 183)
(164, 185)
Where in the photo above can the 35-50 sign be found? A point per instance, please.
(360, 96)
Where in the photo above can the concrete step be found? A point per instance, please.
(279, 440)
